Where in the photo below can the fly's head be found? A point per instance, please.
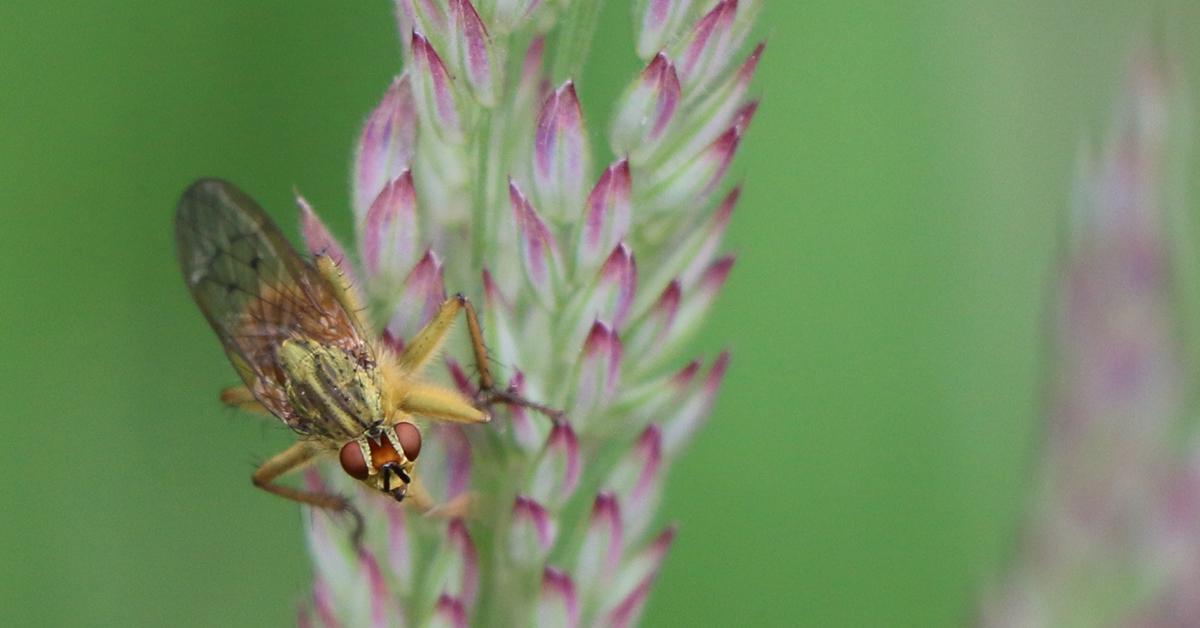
(383, 458)
(337, 396)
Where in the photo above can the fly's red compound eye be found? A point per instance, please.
(352, 461)
(410, 439)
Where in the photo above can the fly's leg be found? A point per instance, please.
(488, 393)
(425, 344)
(488, 397)
(241, 398)
(293, 458)
(456, 508)
(430, 400)
(441, 403)
(345, 293)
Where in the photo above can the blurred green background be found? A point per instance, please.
(904, 182)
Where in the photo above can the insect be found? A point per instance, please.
(292, 330)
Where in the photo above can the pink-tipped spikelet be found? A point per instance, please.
(475, 173)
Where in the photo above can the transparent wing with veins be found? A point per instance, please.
(257, 292)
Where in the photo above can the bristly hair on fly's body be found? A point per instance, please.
(291, 329)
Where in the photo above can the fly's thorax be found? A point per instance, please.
(329, 388)
(383, 458)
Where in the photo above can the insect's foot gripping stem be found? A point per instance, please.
(340, 507)
(346, 508)
(489, 397)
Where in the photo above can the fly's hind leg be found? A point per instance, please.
(241, 398)
(291, 459)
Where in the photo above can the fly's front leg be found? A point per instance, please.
(293, 458)
(456, 508)
(424, 346)
(489, 397)
(487, 392)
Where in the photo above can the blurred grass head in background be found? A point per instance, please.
(1111, 538)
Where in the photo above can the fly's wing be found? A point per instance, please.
(257, 292)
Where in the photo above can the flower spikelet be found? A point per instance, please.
(593, 263)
